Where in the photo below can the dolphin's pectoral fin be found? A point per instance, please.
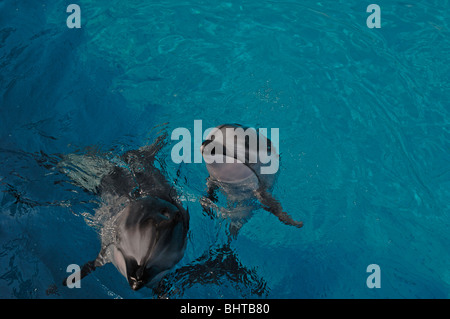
(208, 207)
(234, 228)
(272, 205)
(90, 266)
(211, 191)
(85, 270)
(208, 201)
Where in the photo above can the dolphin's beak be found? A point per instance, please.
(135, 284)
(137, 281)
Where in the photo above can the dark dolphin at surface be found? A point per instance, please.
(143, 225)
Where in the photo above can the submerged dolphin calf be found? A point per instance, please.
(240, 178)
(144, 226)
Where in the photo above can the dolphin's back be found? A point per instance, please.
(131, 175)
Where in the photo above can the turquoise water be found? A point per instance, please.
(364, 123)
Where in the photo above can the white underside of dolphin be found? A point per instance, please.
(233, 173)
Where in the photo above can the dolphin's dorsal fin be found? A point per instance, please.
(87, 268)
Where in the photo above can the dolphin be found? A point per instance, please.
(143, 225)
(233, 172)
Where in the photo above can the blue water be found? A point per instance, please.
(364, 121)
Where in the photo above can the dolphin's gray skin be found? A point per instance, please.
(240, 181)
(144, 227)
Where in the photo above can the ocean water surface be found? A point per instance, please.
(363, 116)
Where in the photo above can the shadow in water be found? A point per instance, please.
(218, 266)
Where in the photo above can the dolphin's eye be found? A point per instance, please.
(165, 212)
